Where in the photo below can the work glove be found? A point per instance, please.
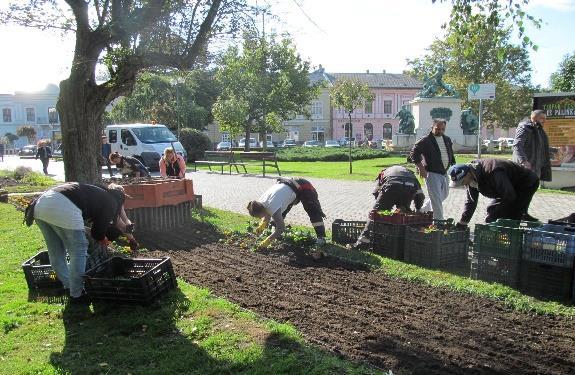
(263, 225)
(130, 228)
(264, 244)
(134, 245)
(104, 242)
(461, 226)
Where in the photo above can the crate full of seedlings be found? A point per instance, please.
(440, 245)
(388, 231)
(346, 232)
(130, 280)
(547, 270)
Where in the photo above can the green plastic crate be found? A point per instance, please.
(504, 238)
(438, 249)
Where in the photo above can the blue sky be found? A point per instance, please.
(343, 36)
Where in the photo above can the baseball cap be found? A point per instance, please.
(456, 173)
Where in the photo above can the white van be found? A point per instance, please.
(145, 142)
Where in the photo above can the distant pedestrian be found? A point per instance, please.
(433, 155)
(44, 152)
(172, 164)
(106, 152)
(531, 146)
(129, 166)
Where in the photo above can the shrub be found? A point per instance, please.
(327, 154)
(21, 172)
(195, 143)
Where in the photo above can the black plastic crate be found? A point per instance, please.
(554, 249)
(443, 248)
(39, 273)
(546, 282)
(499, 241)
(129, 280)
(496, 269)
(388, 239)
(346, 232)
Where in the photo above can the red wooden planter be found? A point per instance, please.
(157, 193)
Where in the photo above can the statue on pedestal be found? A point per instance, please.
(434, 84)
(406, 121)
(469, 122)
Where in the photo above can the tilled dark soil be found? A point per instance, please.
(365, 315)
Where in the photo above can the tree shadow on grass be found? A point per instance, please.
(174, 336)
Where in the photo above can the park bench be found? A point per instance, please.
(217, 159)
(263, 159)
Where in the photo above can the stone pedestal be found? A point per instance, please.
(403, 140)
(421, 109)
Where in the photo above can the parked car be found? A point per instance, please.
(289, 143)
(269, 144)
(28, 151)
(253, 142)
(331, 143)
(345, 141)
(491, 143)
(312, 144)
(508, 141)
(57, 153)
(224, 146)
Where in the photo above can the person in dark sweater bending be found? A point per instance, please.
(510, 185)
(60, 213)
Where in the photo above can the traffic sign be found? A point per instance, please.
(477, 91)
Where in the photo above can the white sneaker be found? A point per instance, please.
(320, 241)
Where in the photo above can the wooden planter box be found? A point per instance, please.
(157, 193)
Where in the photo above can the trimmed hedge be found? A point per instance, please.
(328, 154)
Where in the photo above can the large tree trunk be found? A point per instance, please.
(81, 118)
(247, 144)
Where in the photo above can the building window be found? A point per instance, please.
(369, 106)
(368, 131)
(347, 130)
(6, 115)
(225, 137)
(30, 115)
(387, 107)
(53, 117)
(318, 133)
(387, 130)
(317, 110)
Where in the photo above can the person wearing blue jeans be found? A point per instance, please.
(60, 214)
(433, 155)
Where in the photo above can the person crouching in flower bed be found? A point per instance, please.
(129, 166)
(60, 213)
(172, 165)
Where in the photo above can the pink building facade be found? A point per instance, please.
(375, 120)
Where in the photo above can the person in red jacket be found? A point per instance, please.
(172, 164)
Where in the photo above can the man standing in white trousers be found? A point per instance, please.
(433, 155)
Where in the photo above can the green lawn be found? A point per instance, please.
(28, 182)
(189, 332)
(231, 221)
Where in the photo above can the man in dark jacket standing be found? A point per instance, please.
(433, 155)
(396, 186)
(44, 152)
(531, 146)
(510, 185)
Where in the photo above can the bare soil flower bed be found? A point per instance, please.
(366, 316)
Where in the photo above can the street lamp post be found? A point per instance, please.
(51, 115)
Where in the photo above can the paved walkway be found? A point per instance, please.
(348, 200)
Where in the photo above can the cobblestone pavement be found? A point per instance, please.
(348, 200)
